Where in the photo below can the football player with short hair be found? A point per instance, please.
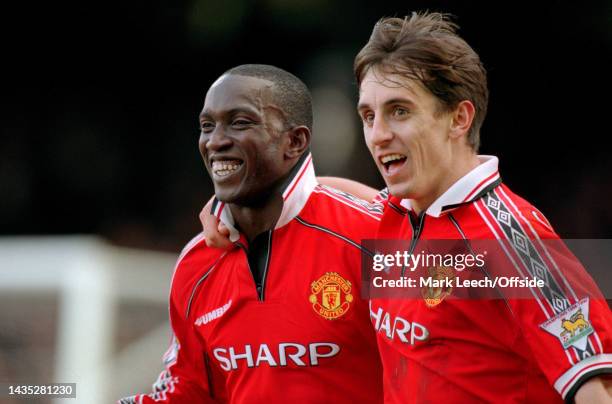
(278, 317)
(422, 100)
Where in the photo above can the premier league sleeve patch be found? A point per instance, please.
(572, 325)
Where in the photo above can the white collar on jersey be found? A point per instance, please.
(466, 188)
(296, 191)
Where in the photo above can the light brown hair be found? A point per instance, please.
(425, 47)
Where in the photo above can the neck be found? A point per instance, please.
(256, 219)
(458, 169)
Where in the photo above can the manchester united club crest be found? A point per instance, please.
(331, 296)
(443, 278)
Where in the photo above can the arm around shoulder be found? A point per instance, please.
(352, 187)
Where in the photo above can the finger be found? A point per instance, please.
(223, 230)
(219, 241)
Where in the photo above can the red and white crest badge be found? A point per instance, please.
(331, 296)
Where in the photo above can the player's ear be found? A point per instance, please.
(461, 119)
(298, 141)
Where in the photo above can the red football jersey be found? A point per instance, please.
(509, 349)
(302, 336)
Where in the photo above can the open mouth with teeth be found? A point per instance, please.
(224, 168)
(392, 162)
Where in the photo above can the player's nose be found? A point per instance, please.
(218, 140)
(381, 133)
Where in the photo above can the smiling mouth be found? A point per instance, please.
(392, 162)
(223, 168)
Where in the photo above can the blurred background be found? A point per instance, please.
(100, 171)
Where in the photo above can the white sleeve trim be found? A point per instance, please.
(569, 378)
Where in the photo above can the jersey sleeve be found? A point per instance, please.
(186, 377)
(565, 320)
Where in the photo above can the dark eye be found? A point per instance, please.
(400, 112)
(207, 126)
(368, 118)
(241, 122)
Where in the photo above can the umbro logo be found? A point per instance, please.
(213, 314)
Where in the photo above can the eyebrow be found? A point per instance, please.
(397, 100)
(231, 112)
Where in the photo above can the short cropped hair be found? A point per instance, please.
(289, 92)
(425, 47)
